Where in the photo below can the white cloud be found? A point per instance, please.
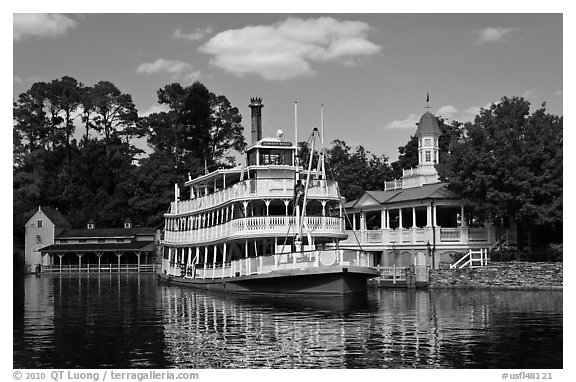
(156, 108)
(196, 35)
(408, 122)
(288, 49)
(178, 70)
(450, 112)
(493, 35)
(447, 111)
(528, 93)
(41, 24)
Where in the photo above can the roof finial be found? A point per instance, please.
(427, 101)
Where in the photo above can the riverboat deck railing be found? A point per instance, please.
(271, 263)
(269, 225)
(260, 188)
(94, 268)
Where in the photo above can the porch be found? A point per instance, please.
(464, 236)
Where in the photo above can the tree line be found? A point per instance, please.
(508, 161)
(103, 175)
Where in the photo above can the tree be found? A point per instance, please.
(356, 171)
(30, 119)
(151, 185)
(408, 157)
(509, 163)
(226, 131)
(65, 97)
(87, 102)
(199, 129)
(114, 111)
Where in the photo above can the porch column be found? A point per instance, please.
(463, 217)
(354, 222)
(138, 257)
(400, 223)
(79, 254)
(383, 219)
(286, 203)
(224, 253)
(413, 217)
(99, 256)
(119, 255)
(323, 207)
(362, 221)
(267, 202)
(387, 218)
(205, 259)
(428, 216)
(434, 211)
(214, 260)
(340, 209)
(60, 255)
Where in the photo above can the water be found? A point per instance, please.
(131, 321)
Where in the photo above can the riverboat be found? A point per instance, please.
(271, 226)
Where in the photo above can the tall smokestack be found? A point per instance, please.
(256, 107)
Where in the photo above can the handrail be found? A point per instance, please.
(254, 224)
(469, 259)
(252, 188)
(276, 262)
(94, 268)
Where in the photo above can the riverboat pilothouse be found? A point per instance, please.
(271, 226)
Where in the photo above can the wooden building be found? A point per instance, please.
(51, 245)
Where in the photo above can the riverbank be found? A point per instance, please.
(501, 275)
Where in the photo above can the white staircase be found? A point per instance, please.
(472, 259)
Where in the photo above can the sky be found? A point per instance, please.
(371, 71)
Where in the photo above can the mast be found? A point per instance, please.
(306, 190)
(322, 164)
(296, 161)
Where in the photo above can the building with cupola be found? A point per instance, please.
(418, 220)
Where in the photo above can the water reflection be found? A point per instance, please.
(89, 321)
(129, 321)
(388, 328)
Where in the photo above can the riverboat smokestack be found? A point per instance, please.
(256, 107)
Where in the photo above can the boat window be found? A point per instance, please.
(252, 158)
(275, 157)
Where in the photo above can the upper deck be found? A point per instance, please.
(269, 172)
(266, 188)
